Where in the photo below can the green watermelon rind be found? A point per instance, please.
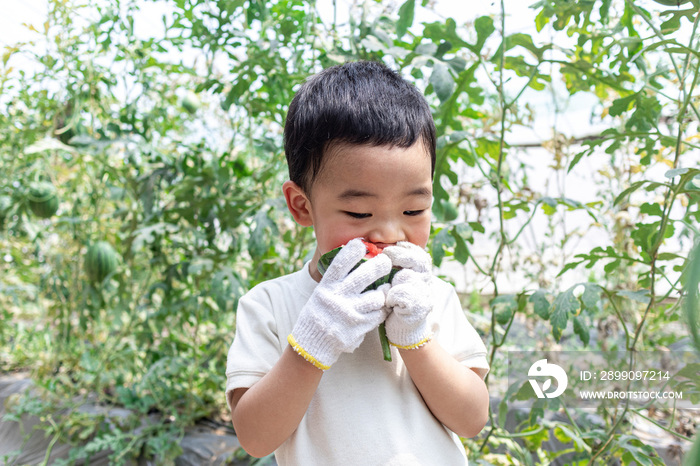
(325, 261)
(5, 205)
(42, 199)
(100, 261)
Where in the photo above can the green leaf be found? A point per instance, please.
(442, 81)
(442, 49)
(646, 114)
(406, 15)
(651, 209)
(563, 431)
(673, 3)
(440, 31)
(449, 210)
(443, 240)
(671, 25)
(569, 266)
(462, 233)
(541, 20)
(691, 182)
(484, 28)
(465, 230)
(524, 392)
(640, 296)
(611, 266)
(635, 186)
(461, 253)
(504, 306)
(590, 299)
(691, 307)
(476, 226)
(458, 64)
(690, 371)
(577, 158)
(581, 329)
(513, 389)
(643, 235)
(537, 411)
(549, 205)
(676, 172)
(261, 237)
(562, 435)
(525, 41)
(540, 304)
(621, 105)
(241, 87)
(564, 305)
(668, 256)
(426, 49)
(537, 436)
(485, 146)
(692, 458)
(636, 451)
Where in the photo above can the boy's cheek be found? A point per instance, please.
(328, 243)
(424, 233)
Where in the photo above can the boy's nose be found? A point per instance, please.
(385, 235)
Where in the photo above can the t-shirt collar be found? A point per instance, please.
(306, 282)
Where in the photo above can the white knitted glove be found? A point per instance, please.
(338, 314)
(409, 297)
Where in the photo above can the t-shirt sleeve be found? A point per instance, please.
(256, 346)
(458, 336)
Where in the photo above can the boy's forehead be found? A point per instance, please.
(343, 162)
(346, 149)
(354, 193)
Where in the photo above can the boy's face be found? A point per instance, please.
(380, 193)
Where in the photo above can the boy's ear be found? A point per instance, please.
(297, 203)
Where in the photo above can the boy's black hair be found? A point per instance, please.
(357, 103)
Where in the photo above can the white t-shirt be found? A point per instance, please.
(366, 411)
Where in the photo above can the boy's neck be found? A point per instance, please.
(313, 267)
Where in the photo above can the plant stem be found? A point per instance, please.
(669, 197)
(573, 424)
(49, 449)
(386, 349)
(619, 316)
(502, 242)
(670, 431)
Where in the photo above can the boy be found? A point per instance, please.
(305, 373)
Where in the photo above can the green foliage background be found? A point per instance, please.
(169, 148)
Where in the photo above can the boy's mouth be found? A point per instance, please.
(372, 249)
(376, 248)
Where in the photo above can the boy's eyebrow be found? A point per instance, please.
(356, 193)
(423, 191)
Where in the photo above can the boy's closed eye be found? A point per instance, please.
(410, 213)
(413, 213)
(358, 215)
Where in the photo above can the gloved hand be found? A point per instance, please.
(338, 315)
(409, 297)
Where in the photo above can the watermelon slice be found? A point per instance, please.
(372, 250)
